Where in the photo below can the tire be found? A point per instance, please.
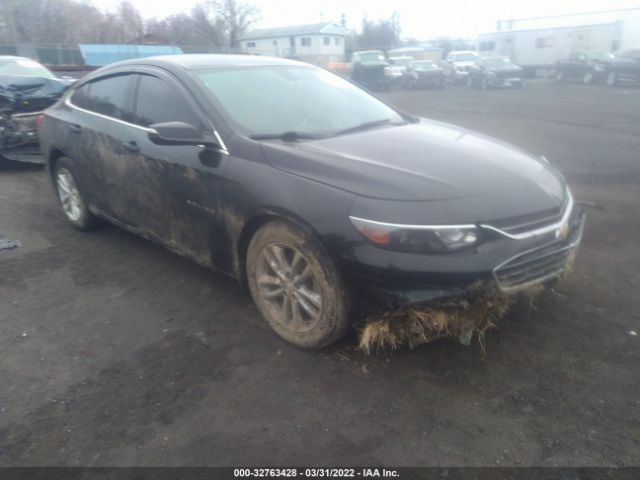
(296, 286)
(612, 79)
(71, 199)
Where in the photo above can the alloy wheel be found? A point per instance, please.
(69, 195)
(287, 283)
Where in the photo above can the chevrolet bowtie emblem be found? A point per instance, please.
(563, 231)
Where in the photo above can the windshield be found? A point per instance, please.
(24, 67)
(370, 57)
(497, 62)
(602, 56)
(278, 99)
(464, 57)
(421, 66)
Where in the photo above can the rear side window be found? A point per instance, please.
(110, 96)
(158, 102)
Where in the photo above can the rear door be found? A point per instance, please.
(103, 109)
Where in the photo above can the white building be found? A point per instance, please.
(319, 43)
(538, 43)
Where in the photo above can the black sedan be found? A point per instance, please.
(423, 73)
(587, 66)
(624, 69)
(490, 72)
(304, 187)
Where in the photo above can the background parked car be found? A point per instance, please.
(368, 69)
(26, 88)
(395, 71)
(423, 73)
(495, 72)
(458, 65)
(588, 66)
(624, 68)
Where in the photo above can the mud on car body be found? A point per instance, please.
(26, 88)
(309, 190)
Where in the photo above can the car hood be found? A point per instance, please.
(425, 161)
(464, 64)
(506, 69)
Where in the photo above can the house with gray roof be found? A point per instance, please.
(319, 43)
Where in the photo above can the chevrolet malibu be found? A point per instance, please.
(312, 192)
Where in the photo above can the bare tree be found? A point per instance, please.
(236, 16)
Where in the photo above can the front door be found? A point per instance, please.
(174, 188)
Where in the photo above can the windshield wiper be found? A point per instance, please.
(364, 126)
(290, 136)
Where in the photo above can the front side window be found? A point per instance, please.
(277, 99)
(109, 96)
(159, 102)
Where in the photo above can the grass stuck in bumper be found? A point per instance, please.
(458, 317)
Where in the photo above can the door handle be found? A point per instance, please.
(132, 146)
(75, 128)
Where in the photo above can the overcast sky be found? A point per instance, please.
(418, 18)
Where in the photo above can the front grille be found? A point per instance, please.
(537, 265)
(542, 263)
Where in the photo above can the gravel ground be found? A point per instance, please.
(114, 351)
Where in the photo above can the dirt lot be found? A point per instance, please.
(116, 352)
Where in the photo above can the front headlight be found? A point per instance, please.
(417, 238)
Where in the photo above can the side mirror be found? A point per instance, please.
(177, 133)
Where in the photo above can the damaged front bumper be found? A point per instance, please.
(19, 140)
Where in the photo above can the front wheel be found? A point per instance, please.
(73, 203)
(296, 286)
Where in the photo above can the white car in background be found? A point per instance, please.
(459, 63)
(396, 69)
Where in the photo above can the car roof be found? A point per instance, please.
(199, 61)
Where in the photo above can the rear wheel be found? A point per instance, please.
(296, 286)
(73, 203)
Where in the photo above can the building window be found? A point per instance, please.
(251, 44)
(486, 46)
(544, 42)
(338, 40)
(305, 42)
(327, 41)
